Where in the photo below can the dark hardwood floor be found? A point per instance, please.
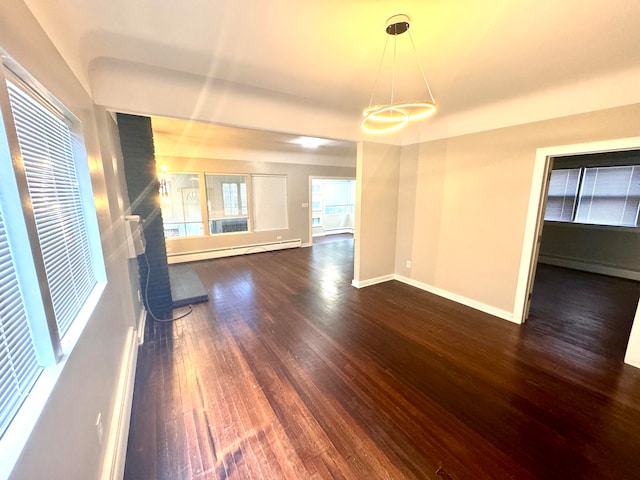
(593, 313)
(289, 372)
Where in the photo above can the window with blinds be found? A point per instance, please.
(50, 252)
(47, 151)
(610, 196)
(18, 362)
(563, 191)
(269, 193)
(595, 195)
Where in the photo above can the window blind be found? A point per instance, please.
(18, 363)
(610, 196)
(563, 188)
(269, 202)
(46, 146)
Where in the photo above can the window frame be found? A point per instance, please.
(211, 219)
(52, 349)
(584, 170)
(241, 207)
(329, 208)
(168, 186)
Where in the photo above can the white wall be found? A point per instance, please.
(471, 202)
(469, 210)
(64, 442)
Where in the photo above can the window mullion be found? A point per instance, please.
(576, 199)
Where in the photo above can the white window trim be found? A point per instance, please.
(17, 434)
(578, 197)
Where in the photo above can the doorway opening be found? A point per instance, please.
(535, 223)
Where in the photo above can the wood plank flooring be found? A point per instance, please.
(589, 311)
(290, 373)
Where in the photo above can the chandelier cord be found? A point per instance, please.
(375, 84)
(424, 77)
(393, 68)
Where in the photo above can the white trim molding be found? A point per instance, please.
(231, 251)
(632, 356)
(141, 324)
(541, 165)
(116, 446)
(483, 307)
(371, 281)
(579, 264)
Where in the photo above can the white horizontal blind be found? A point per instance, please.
(563, 190)
(18, 363)
(269, 193)
(610, 196)
(45, 144)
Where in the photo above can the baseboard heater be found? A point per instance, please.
(333, 231)
(231, 251)
(586, 266)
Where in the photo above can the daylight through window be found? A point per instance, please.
(595, 195)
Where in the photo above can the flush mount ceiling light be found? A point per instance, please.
(387, 118)
(310, 142)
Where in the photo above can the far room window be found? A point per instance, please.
(610, 196)
(339, 197)
(595, 195)
(227, 203)
(563, 191)
(316, 196)
(180, 205)
(234, 199)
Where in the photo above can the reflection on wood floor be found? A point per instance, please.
(290, 373)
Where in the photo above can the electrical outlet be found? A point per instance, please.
(278, 237)
(408, 263)
(99, 428)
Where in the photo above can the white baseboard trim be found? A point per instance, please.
(371, 281)
(590, 267)
(231, 251)
(141, 324)
(634, 362)
(116, 445)
(333, 231)
(496, 312)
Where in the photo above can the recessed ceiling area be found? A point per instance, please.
(308, 67)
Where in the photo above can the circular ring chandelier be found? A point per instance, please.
(392, 117)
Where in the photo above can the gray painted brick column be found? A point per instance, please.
(136, 140)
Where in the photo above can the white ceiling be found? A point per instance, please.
(190, 139)
(323, 55)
